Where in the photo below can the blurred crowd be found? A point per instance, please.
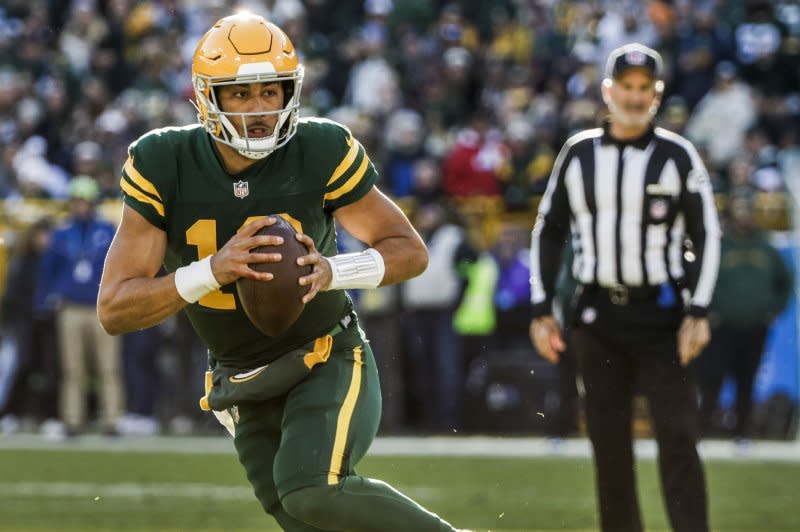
(462, 106)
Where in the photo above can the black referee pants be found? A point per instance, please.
(611, 371)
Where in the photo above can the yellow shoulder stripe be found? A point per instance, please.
(345, 415)
(139, 179)
(350, 183)
(138, 195)
(346, 162)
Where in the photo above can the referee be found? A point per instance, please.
(630, 195)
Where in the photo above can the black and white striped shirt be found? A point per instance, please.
(629, 206)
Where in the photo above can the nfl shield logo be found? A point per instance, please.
(241, 189)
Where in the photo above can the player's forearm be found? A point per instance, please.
(404, 257)
(138, 303)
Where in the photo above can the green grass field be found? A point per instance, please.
(122, 491)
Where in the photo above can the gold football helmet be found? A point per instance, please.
(246, 48)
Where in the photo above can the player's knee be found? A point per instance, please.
(310, 505)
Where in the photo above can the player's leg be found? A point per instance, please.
(257, 440)
(744, 367)
(671, 394)
(608, 379)
(329, 422)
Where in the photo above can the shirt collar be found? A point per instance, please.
(639, 142)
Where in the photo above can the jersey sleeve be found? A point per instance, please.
(354, 174)
(144, 179)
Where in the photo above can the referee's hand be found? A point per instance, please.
(693, 336)
(546, 338)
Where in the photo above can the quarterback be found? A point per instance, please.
(194, 199)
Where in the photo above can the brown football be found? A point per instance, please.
(273, 306)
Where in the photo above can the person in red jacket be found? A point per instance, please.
(474, 165)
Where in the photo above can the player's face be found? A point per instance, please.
(253, 98)
(632, 97)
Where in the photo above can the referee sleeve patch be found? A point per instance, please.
(697, 179)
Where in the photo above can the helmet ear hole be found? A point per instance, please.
(217, 100)
(288, 91)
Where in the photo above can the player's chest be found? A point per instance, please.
(209, 208)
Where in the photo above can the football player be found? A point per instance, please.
(194, 197)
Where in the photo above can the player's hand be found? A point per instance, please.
(233, 260)
(546, 338)
(693, 336)
(321, 276)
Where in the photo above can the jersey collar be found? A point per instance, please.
(639, 143)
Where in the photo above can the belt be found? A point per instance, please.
(343, 324)
(621, 294)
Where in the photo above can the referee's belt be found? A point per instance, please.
(620, 294)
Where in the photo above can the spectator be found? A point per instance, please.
(723, 116)
(473, 167)
(433, 347)
(68, 284)
(512, 293)
(29, 336)
(404, 137)
(753, 288)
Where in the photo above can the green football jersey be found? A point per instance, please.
(174, 177)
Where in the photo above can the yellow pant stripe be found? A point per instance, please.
(345, 415)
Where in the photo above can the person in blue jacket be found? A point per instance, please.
(68, 283)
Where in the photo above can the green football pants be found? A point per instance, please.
(300, 450)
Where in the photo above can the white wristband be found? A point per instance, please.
(356, 270)
(195, 280)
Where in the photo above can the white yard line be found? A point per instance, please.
(97, 491)
(479, 446)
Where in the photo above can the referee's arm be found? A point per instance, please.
(547, 243)
(702, 226)
(548, 237)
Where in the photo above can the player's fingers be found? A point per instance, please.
(250, 273)
(311, 258)
(256, 225)
(313, 282)
(262, 240)
(260, 258)
(310, 295)
(307, 241)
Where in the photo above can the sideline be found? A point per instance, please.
(478, 446)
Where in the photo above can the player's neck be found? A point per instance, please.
(232, 161)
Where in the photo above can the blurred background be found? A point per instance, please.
(462, 106)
